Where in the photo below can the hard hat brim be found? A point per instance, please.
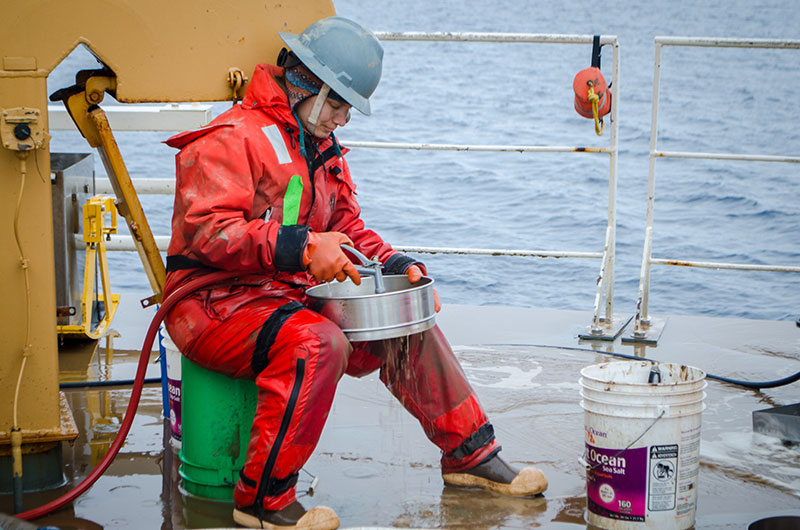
(326, 75)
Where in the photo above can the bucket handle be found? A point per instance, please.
(585, 464)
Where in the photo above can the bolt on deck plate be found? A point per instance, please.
(608, 329)
(649, 332)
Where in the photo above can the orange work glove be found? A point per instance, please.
(325, 260)
(415, 273)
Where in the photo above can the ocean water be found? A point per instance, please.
(721, 100)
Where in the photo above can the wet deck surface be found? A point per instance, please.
(377, 469)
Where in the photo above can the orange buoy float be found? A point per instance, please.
(592, 93)
(592, 96)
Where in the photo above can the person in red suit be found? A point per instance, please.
(264, 191)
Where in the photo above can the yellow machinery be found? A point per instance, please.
(95, 233)
(152, 51)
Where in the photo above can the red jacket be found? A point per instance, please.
(231, 178)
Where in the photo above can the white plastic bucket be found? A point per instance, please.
(173, 356)
(642, 444)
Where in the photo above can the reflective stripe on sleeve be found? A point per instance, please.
(274, 136)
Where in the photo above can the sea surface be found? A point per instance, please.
(712, 100)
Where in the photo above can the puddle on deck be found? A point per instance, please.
(376, 468)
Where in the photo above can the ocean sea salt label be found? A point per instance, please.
(174, 389)
(616, 482)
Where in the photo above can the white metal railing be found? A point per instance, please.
(144, 186)
(119, 242)
(604, 326)
(492, 148)
(646, 328)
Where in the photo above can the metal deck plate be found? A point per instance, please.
(780, 422)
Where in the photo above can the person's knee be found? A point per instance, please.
(294, 332)
(332, 345)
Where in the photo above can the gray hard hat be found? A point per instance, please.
(344, 55)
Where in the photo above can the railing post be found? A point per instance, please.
(609, 326)
(651, 180)
(644, 329)
(612, 184)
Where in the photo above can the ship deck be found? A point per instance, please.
(376, 468)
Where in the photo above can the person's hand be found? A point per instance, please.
(324, 259)
(415, 274)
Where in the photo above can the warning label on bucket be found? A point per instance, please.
(616, 481)
(663, 477)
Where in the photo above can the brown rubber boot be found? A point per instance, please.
(499, 476)
(292, 517)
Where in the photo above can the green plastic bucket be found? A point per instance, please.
(216, 416)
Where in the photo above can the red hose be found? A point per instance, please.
(130, 412)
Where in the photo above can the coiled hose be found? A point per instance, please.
(136, 393)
